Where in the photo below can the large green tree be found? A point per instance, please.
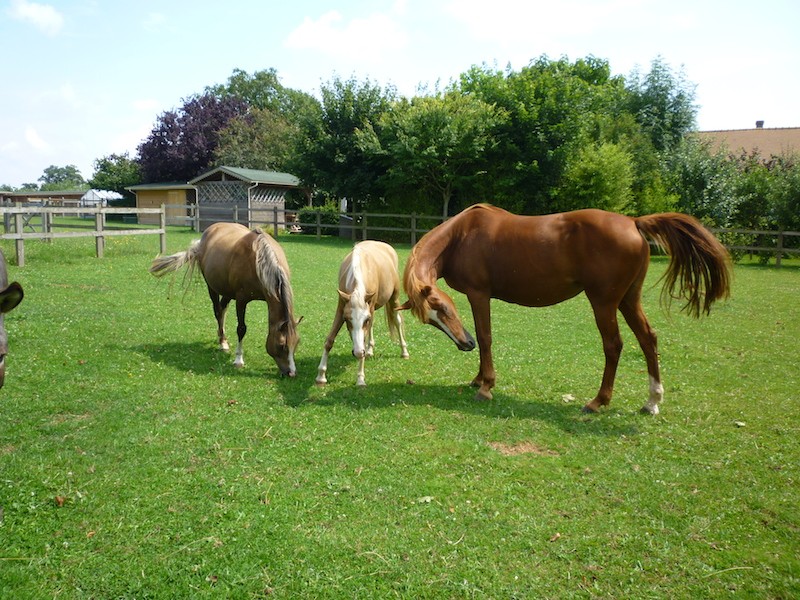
(329, 158)
(434, 147)
(62, 178)
(115, 172)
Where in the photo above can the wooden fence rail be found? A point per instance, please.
(19, 226)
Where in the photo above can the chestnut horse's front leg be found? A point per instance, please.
(482, 316)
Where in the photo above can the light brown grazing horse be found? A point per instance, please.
(243, 265)
(486, 252)
(10, 296)
(368, 280)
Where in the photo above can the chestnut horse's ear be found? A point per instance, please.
(425, 291)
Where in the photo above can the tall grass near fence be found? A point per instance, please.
(135, 461)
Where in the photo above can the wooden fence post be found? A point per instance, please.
(19, 243)
(162, 223)
(275, 221)
(100, 240)
(779, 252)
(319, 224)
(413, 228)
(364, 225)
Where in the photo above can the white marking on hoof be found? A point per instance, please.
(224, 346)
(656, 396)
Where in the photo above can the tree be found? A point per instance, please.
(663, 103)
(433, 146)
(263, 90)
(554, 109)
(328, 157)
(62, 178)
(261, 139)
(599, 176)
(183, 142)
(115, 172)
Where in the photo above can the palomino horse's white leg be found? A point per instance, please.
(656, 396)
(371, 340)
(239, 361)
(360, 380)
(403, 345)
(322, 369)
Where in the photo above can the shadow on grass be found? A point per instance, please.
(456, 397)
(201, 357)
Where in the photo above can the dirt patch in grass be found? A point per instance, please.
(521, 448)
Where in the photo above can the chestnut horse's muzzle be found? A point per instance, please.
(468, 344)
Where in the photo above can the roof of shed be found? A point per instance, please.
(249, 176)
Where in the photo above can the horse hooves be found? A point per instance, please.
(589, 410)
(321, 383)
(649, 410)
(483, 395)
(238, 365)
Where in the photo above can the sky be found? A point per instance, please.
(84, 79)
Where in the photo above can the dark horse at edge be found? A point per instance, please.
(11, 295)
(486, 252)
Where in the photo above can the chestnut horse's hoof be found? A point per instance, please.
(589, 410)
(483, 395)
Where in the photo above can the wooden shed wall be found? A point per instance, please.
(157, 198)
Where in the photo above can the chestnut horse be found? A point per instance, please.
(368, 280)
(486, 252)
(10, 296)
(243, 265)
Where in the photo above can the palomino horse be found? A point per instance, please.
(368, 280)
(486, 252)
(243, 265)
(10, 296)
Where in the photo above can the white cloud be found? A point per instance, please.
(35, 140)
(42, 16)
(367, 38)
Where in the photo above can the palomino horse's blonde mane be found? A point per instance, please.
(272, 274)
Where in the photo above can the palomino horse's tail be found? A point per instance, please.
(169, 264)
(699, 269)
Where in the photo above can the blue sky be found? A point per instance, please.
(83, 79)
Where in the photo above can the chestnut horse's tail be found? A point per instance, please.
(699, 269)
(169, 264)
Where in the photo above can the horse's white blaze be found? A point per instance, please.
(433, 316)
(656, 396)
(359, 309)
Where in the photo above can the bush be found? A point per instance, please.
(328, 215)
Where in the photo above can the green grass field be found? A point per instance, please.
(136, 462)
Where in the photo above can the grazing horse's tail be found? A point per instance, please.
(699, 268)
(169, 264)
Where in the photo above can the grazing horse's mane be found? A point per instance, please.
(273, 276)
(418, 275)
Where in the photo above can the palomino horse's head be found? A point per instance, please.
(282, 341)
(10, 296)
(433, 307)
(358, 313)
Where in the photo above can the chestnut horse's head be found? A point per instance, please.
(433, 307)
(10, 296)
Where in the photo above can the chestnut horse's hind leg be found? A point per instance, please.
(637, 321)
(241, 330)
(220, 309)
(482, 315)
(605, 315)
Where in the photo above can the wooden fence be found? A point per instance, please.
(20, 225)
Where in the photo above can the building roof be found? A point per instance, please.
(145, 187)
(765, 141)
(252, 176)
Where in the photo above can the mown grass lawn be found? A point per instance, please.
(136, 462)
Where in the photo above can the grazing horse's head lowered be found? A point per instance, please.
(10, 296)
(241, 265)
